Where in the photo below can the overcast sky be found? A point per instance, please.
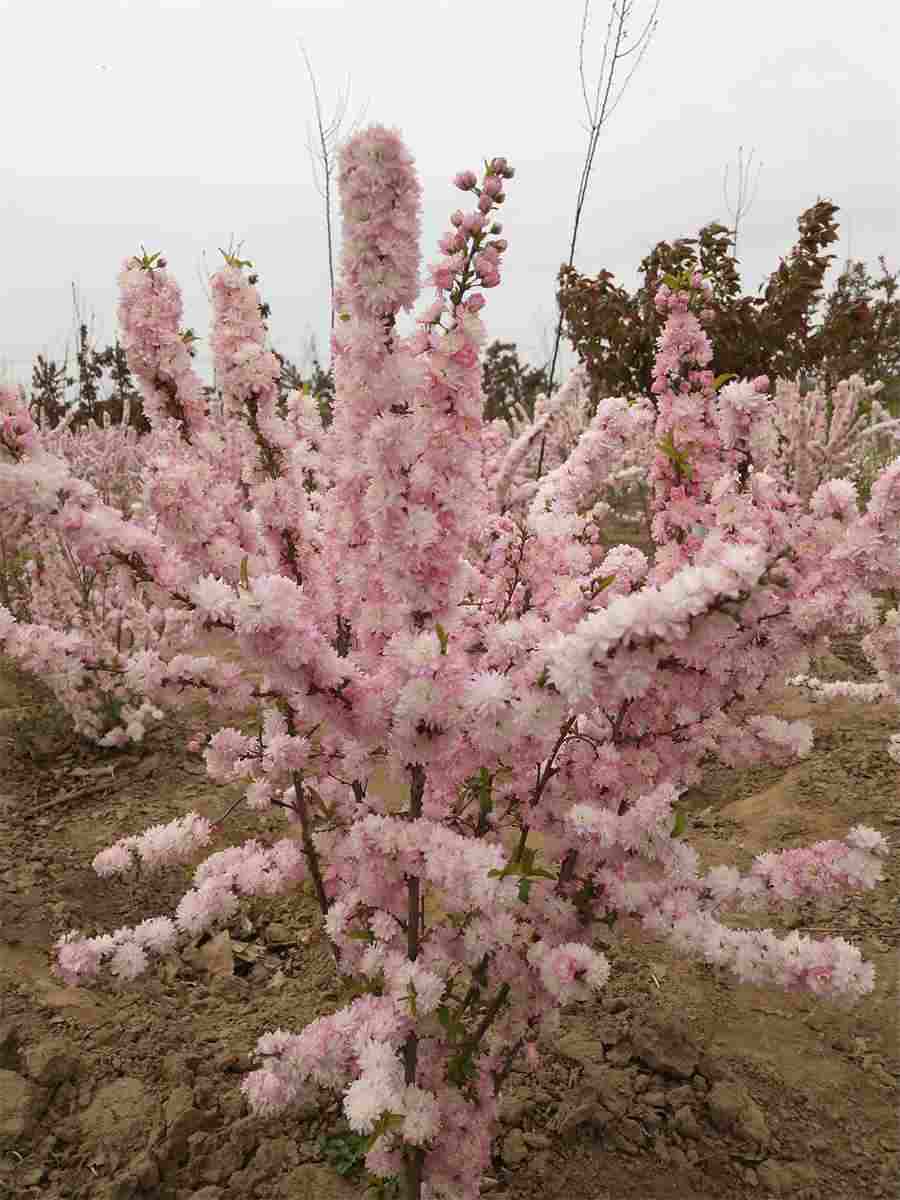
(177, 123)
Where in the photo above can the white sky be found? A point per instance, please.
(179, 122)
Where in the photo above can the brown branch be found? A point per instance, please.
(414, 1156)
(309, 849)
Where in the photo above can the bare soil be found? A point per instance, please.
(679, 1083)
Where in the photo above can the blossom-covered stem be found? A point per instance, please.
(478, 978)
(413, 1162)
(414, 1156)
(309, 849)
(159, 353)
(473, 1041)
(544, 776)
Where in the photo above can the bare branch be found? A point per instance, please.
(744, 199)
(617, 46)
(205, 276)
(322, 145)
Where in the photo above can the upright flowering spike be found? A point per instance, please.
(374, 376)
(246, 372)
(158, 352)
(441, 491)
(380, 205)
(687, 459)
(820, 435)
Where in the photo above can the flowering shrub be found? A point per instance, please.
(544, 700)
(882, 647)
(808, 438)
(79, 622)
(514, 455)
(13, 523)
(822, 435)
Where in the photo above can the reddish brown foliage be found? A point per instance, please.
(791, 331)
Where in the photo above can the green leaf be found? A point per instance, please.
(443, 637)
(524, 890)
(450, 1023)
(677, 457)
(147, 261)
(484, 786)
(385, 1123)
(601, 583)
(234, 261)
(345, 1152)
(680, 823)
(460, 1069)
(723, 378)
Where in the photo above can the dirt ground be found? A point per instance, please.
(680, 1083)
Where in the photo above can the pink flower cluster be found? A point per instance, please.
(817, 435)
(882, 646)
(251, 869)
(156, 847)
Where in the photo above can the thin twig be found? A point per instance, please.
(599, 110)
(743, 200)
(323, 157)
(78, 793)
(414, 1157)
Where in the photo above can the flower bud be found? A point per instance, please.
(465, 180)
